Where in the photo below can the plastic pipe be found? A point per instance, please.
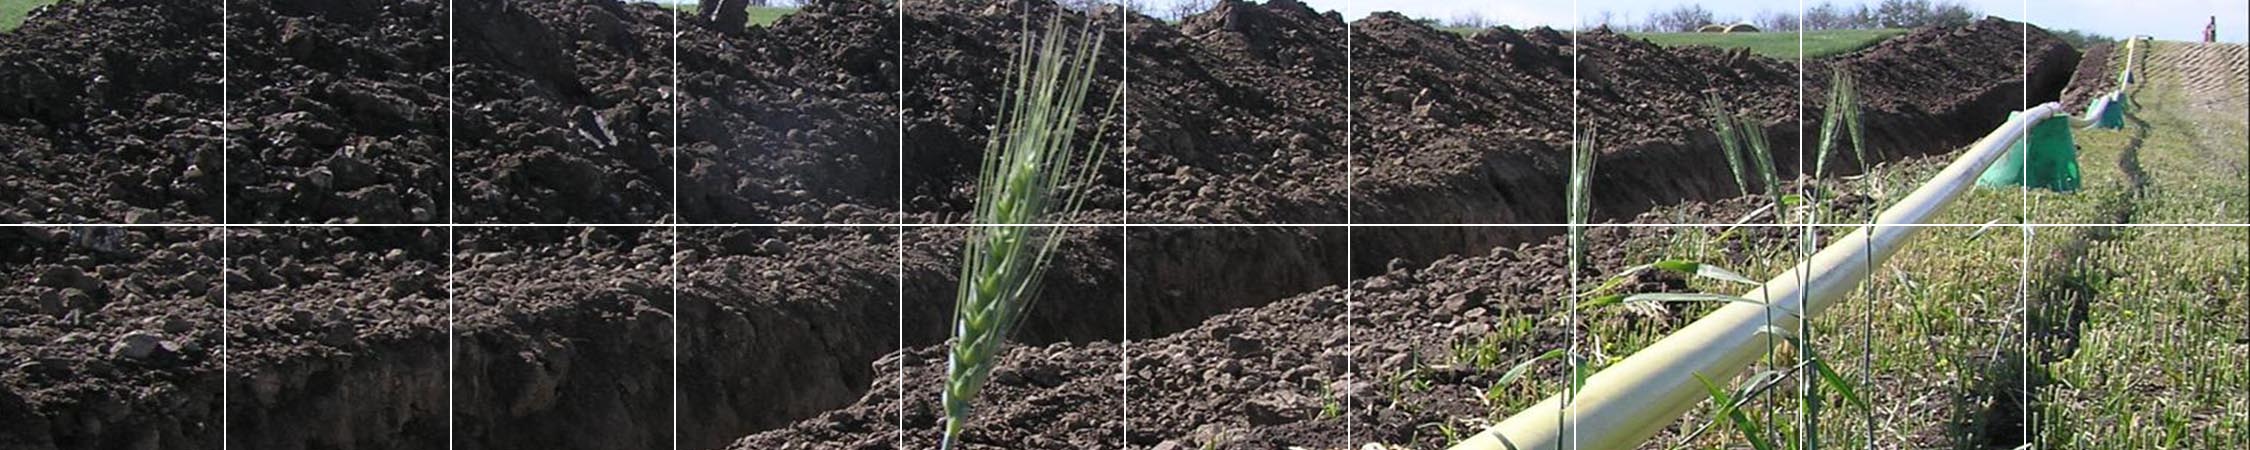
(2132, 47)
(2095, 111)
(1626, 404)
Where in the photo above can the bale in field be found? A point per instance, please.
(1741, 28)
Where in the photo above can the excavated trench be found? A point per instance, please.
(565, 337)
(1180, 276)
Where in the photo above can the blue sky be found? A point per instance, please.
(2165, 19)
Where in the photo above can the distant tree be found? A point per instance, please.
(2081, 39)
(1863, 19)
(1923, 13)
(1949, 14)
(1081, 5)
(1775, 21)
(1680, 19)
(1181, 9)
(1901, 13)
(1825, 16)
(1470, 19)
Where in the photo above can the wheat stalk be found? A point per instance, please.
(1032, 156)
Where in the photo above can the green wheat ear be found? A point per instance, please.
(1722, 123)
(1031, 159)
(1842, 115)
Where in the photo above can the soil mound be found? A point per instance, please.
(2093, 79)
(338, 112)
(565, 114)
(793, 123)
(93, 131)
(1455, 134)
(112, 337)
(1239, 116)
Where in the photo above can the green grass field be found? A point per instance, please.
(2157, 363)
(2094, 335)
(1818, 44)
(12, 11)
(767, 15)
(759, 15)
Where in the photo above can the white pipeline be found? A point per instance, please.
(1639, 396)
(2132, 47)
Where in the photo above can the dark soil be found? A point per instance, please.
(1272, 376)
(2093, 79)
(109, 114)
(323, 321)
(563, 337)
(1454, 136)
(566, 112)
(338, 112)
(566, 106)
(109, 337)
(796, 123)
(1238, 116)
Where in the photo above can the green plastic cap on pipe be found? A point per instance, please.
(2047, 158)
(2107, 112)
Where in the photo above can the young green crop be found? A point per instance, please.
(1742, 140)
(1033, 156)
(1723, 127)
(1842, 113)
(1583, 158)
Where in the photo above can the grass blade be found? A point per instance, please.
(1827, 375)
(1673, 297)
(1525, 367)
(1698, 269)
(1731, 410)
(1601, 301)
(1835, 381)
(1722, 274)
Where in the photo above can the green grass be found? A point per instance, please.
(12, 11)
(1818, 44)
(1939, 323)
(2190, 150)
(2125, 337)
(2157, 363)
(2132, 331)
(759, 15)
(767, 15)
